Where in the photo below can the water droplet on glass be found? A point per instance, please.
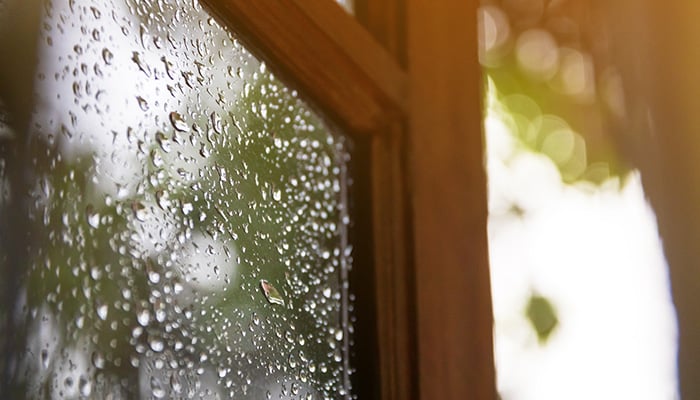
(178, 288)
(136, 58)
(163, 141)
(143, 104)
(98, 360)
(44, 358)
(153, 277)
(102, 311)
(84, 386)
(204, 151)
(216, 123)
(157, 159)
(175, 384)
(107, 56)
(157, 388)
(156, 345)
(145, 37)
(163, 199)
(143, 317)
(178, 123)
(139, 211)
(93, 218)
(160, 315)
(136, 332)
(96, 273)
(271, 293)
(168, 65)
(76, 89)
(187, 208)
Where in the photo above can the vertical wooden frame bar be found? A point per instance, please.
(394, 278)
(449, 204)
(441, 160)
(394, 275)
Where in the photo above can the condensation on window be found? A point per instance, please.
(187, 217)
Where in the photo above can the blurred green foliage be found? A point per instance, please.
(542, 316)
(555, 95)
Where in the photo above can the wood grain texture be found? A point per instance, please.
(395, 294)
(386, 21)
(323, 51)
(394, 284)
(448, 186)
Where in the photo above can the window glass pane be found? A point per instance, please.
(186, 217)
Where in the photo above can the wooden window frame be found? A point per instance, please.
(403, 75)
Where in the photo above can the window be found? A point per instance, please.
(189, 230)
(420, 175)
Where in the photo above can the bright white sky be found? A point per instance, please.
(595, 253)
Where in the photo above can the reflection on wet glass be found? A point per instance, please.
(187, 217)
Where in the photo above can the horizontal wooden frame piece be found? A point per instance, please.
(326, 53)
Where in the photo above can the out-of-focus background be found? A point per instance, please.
(590, 114)
(580, 285)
